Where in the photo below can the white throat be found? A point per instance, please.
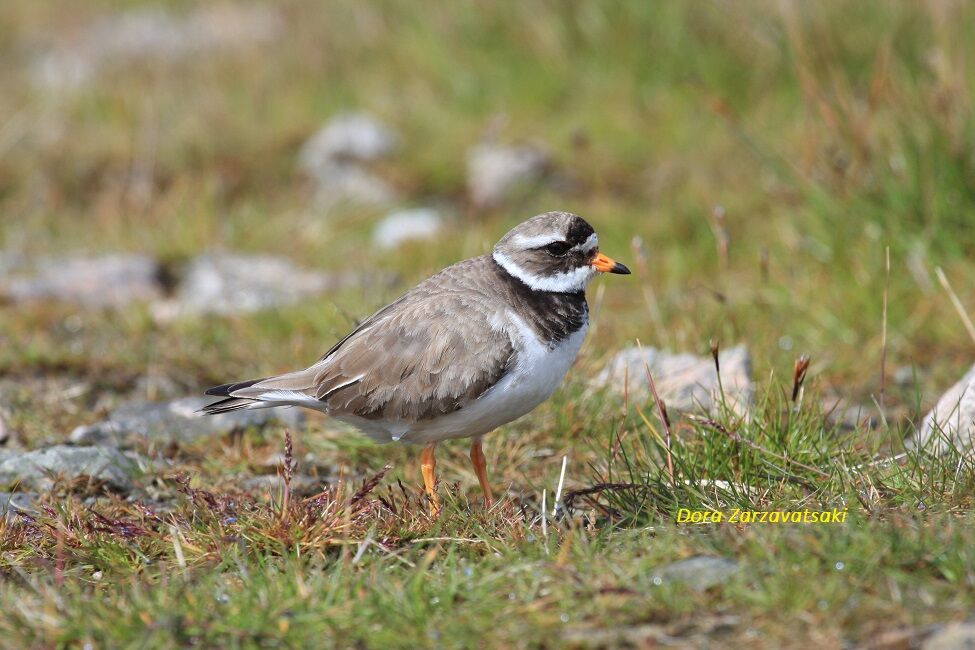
(566, 282)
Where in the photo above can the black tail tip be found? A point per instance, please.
(225, 406)
(225, 390)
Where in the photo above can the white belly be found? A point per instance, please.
(538, 371)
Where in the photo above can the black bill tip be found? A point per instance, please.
(620, 269)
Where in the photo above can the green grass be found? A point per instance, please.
(363, 564)
(827, 133)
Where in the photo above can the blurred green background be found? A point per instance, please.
(753, 162)
(822, 132)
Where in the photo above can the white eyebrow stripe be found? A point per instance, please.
(537, 241)
(591, 243)
(564, 282)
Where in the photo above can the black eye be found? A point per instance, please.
(558, 248)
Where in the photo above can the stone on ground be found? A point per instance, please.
(35, 469)
(849, 416)
(685, 382)
(348, 137)
(228, 283)
(957, 636)
(177, 421)
(12, 503)
(301, 484)
(140, 35)
(337, 156)
(106, 281)
(495, 171)
(350, 183)
(699, 573)
(951, 423)
(406, 225)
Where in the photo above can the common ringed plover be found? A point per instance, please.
(477, 345)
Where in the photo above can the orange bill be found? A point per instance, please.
(606, 264)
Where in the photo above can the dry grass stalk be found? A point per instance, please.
(960, 308)
(287, 474)
(883, 335)
(664, 418)
(722, 240)
(799, 378)
(369, 485)
(649, 296)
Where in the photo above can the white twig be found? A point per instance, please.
(177, 547)
(363, 545)
(544, 521)
(467, 540)
(881, 461)
(558, 492)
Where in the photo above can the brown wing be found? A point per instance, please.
(427, 354)
(427, 358)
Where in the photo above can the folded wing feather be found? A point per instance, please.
(423, 356)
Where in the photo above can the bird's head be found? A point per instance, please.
(554, 251)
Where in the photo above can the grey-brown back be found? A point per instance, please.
(430, 352)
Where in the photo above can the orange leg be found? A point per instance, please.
(477, 458)
(428, 466)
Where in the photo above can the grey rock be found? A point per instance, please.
(176, 422)
(699, 573)
(307, 462)
(35, 468)
(699, 634)
(348, 137)
(638, 636)
(107, 281)
(12, 503)
(336, 159)
(844, 415)
(339, 183)
(151, 34)
(406, 225)
(957, 636)
(685, 382)
(227, 283)
(301, 484)
(495, 171)
(951, 423)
